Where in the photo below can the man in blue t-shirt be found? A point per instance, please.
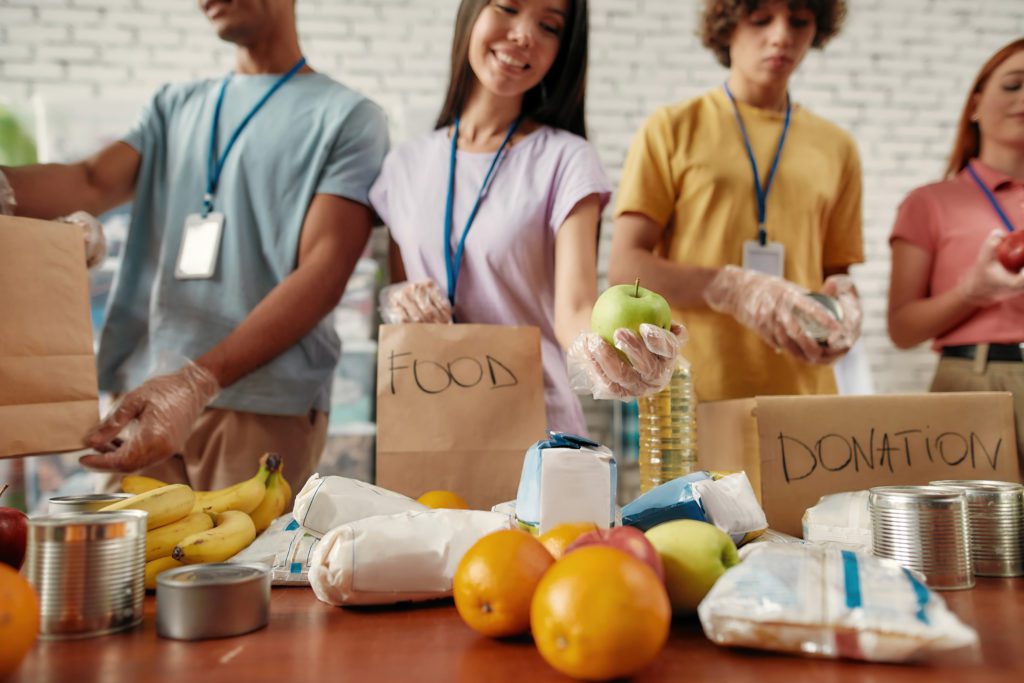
(249, 213)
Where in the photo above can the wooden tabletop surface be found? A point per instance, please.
(308, 640)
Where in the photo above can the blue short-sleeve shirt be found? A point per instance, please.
(314, 135)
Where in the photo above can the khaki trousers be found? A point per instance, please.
(962, 374)
(225, 447)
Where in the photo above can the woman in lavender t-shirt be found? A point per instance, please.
(514, 108)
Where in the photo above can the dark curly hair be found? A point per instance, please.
(721, 17)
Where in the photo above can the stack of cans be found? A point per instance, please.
(995, 518)
(87, 569)
(923, 528)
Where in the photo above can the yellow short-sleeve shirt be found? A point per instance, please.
(688, 170)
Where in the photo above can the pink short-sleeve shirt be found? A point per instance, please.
(950, 220)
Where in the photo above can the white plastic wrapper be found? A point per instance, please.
(286, 548)
(327, 502)
(827, 602)
(731, 504)
(406, 557)
(840, 519)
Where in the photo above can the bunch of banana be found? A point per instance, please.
(207, 526)
(232, 532)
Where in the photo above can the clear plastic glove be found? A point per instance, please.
(988, 282)
(414, 302)
(92, 232)
(644, 367)
(773, 308)
(7, 202)
(842, 289)
(158, 415)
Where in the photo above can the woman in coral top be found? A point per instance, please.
(948, 284)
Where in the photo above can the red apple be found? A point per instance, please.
(1011, 251)
(13, 536)
(629, 540)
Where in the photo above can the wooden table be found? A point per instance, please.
(308, 640)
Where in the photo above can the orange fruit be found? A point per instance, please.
(600, 614)
(443, 499)
(19, 619)
(557, 538)
(495, 580)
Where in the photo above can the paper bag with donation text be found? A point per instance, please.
(48, 395)
(457, 408)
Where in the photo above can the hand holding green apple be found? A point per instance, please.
(694, 555)
(628, 307)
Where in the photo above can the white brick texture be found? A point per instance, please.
(896, 79)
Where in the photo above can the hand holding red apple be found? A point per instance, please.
(13, 535)
(1010, 251)
(989, 279)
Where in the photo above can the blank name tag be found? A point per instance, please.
(769, 259)
(200, 244)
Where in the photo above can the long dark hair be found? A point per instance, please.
(557, 101)
(967, 144)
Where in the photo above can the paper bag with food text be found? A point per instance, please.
(457, 408)
(48, 395)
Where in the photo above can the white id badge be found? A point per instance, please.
(769, 259)
(200, 244)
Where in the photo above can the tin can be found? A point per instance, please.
(923, 528)
(87, 569)
(212, 600)
(87, 502)
(818, 332)
(995, 518)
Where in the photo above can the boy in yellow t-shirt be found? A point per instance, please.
(735, 204)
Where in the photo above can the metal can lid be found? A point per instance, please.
(915, 496)
(91, 497)
(215, 574)
(830, 303)
(984, 484)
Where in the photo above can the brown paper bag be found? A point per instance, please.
(48, 395)
(457, 407)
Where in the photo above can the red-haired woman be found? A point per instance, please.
(947, 282)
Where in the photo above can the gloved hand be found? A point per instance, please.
(772, 308)
(842, 289)
(414, 302)
(161, 411)
(7, 202)
(988, 282)
(651, 356)
(92, 232)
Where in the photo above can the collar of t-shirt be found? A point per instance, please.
(993, 179)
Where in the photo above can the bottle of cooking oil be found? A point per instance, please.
(668, 431)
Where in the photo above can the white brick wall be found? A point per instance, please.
(896, 78)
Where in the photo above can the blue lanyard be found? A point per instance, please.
(214, 166)
(991, 199)
(761, 192)
(452, 262)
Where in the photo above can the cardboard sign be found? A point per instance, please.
(796, 449)
(48, 394)
(457, 408)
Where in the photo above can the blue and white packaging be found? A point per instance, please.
(674, 499)
(566, 478)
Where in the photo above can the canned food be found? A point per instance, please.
(212, 600)
(87, 502)
(817, 331)
(87, 569)
(995, 518)
(923, 528)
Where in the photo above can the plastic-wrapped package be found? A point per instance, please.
(828, 602)
(405, 557)
(327, 502)
(286, 548)
(840, 519)
(674, 499)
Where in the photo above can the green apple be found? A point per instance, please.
(694, 555)
(628, 306)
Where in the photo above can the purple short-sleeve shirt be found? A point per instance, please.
(508, 266)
